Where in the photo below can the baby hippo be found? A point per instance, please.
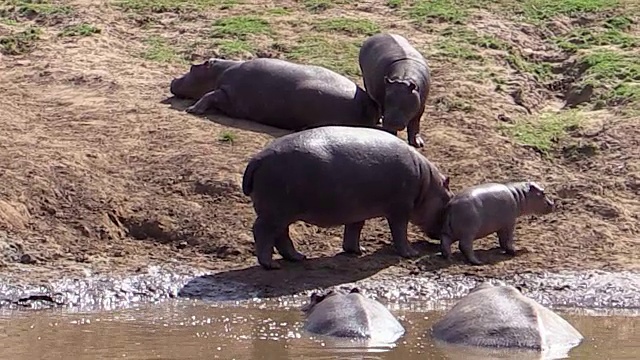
(351, 315)
(490, 208)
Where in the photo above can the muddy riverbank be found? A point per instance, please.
(100, 291)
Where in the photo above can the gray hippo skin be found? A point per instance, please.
(398, 78)
(501, 316)
(276, 93)
(490, 208)
(341, 175)
(351, 315)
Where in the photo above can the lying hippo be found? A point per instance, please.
(398, 78)
(351, 315)
(341, 175)
(276, 93)
(490, 208)
(500, 316)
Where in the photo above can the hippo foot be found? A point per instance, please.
(417, 142)
(195, 109)
(354, 252)
(511, 252)
(294, 257)
(270, 265)
(409, 253)
(475, 261)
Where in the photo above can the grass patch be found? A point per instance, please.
(21, 42)
(348, 26)
(540, 70)
(335, 54)
(228, 137)
(37, 10)
(615, 71)
(240, 27)
(539, 10)
(82, 29)
(449, 11)
(160, 51)
(462, 43)
(317, 6)
(228, 48)
(394, 4)
(583, 38)
(452, 48)
(542, 133)
(162, 6)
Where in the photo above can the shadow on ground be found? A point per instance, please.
(316, 273)
(219, 118)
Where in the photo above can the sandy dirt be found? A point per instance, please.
(100, 172)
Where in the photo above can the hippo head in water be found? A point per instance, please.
(500, 316)
(401, 103)
(536, 201)
(351, 315)
(201, 78)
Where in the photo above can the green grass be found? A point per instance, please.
(449, 11)
(618, 72)
(584, 38)
(395, 4)
(227, 136)
(316, 6)
(157, 49)
(240, 27)
(349, 26)
(543, 132)
(38, 10)
(161, 6)
(21, 42)
(333, 53)
(82, 29)
(540, 10)
(233, 48)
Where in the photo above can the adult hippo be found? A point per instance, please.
(488, 208)
(341, 175)
(398, 78)
(502, 317)
(351, 315)
(277, 93)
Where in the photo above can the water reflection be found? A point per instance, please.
(191, 330)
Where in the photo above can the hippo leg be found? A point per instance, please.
(264, 236)
(413, 130)
(398, 226)
(466, 247)
(217, 99)
(351, 238)
(445, 246)
(286, 249)
(505, 237)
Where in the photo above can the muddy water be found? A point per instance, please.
(197, 330)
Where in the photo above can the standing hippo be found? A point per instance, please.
(490, 208)
(276, 93)
(341, 175)
(351, 315)
(501, 316)
(398, 78)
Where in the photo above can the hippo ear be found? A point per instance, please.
(445, 182)
(413, 86)
(354, 290)
(387, 80)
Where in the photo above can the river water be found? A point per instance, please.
(185, 329)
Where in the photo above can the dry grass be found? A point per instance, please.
(98, 171)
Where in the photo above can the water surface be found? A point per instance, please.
(197, 330)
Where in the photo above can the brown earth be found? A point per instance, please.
(99, 172)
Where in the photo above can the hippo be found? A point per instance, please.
(398, 78)
(351, 315)
(490, 208)
(277, 93)
(502, 317)
(342, 175)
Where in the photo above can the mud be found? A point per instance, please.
(586, 290)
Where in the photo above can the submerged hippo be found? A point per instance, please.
(277, 93)
(398, 78)
(490, 208)
(351, 315)
(341, 175)
(501, 316)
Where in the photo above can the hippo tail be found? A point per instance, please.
(247, 178)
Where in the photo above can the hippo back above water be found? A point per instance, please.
(277, 93)
(339, 175)
(351, 315)
(501, 316)
(397, 77)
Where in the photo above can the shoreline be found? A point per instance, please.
(590, 291)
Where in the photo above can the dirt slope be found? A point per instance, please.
(97, 171)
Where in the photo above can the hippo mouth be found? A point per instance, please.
(393, 125)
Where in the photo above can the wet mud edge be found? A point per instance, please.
(591, 289)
